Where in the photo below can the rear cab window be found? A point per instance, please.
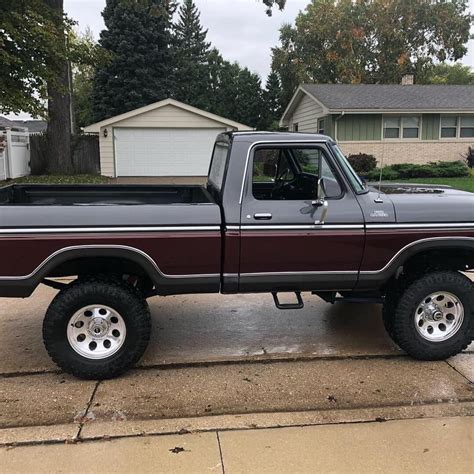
(218, 166)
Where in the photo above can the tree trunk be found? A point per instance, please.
(59, 105)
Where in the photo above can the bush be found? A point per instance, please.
(440, 169)
(470, 157)
(362, 163)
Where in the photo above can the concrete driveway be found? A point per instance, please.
(225, 362)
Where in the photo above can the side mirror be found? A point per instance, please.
(321, 189)
(321, 201)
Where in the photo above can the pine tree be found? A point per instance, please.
(191, 55)
(272, 98)
(249, 106)
(138, 37)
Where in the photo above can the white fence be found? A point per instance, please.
(14, 154)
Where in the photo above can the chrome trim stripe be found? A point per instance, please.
(304, 227)
(276, 143)
(441, 225)
(232, 227)
(411, 244)
(74, 230)
(343, 272)
(119, 247)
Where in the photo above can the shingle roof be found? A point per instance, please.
(5, 123)
(33, 126)
(381, 96)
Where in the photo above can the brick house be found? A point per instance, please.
(395, 123)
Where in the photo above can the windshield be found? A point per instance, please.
(356, 182)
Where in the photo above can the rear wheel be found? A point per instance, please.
(97, 328)
(433, 318)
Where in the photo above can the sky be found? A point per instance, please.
(240, 29)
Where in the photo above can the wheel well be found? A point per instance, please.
(98, 265)
(451, 258)
(445, 258)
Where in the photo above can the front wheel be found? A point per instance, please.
(97, 328)
(434, 316)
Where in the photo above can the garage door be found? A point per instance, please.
(163, 151)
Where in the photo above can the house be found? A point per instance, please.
(395, 123)
(167, 138)
(33, 125)
(14, 150)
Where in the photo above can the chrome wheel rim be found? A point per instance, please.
(96, 332)
(439, 316)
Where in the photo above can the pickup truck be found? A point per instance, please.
(281, 212)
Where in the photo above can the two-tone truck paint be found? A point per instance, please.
(281, 212)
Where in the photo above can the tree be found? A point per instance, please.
(191, 56)
(138, 38)
(234, 92)
(447, 74)
(31, 53)
(271, 3)
(272, 100)
(86, 57)
(248, 99)
(59, 131)
(374, 41)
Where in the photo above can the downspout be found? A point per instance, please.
(335, 124)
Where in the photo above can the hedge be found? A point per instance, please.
(440, 169)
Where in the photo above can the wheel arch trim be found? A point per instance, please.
(66, 254)
(417, 247)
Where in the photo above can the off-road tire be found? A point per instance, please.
(401, 321)
(111, 292)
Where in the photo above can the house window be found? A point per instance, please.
(401, 127)
(321, 126)
(449, 126)
(295, 127)
(467, 127)
(411, 127)
(391, 127)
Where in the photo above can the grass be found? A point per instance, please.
(464, 184)
(58, 179)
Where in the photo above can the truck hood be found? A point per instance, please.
(428, 203)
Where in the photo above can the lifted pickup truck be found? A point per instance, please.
(281, 212)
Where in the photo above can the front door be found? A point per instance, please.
(284, 244)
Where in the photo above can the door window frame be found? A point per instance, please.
(247, 185)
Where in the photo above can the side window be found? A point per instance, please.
(291, 174)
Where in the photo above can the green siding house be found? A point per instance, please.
(395, 123)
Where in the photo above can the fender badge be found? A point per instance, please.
(378, 214)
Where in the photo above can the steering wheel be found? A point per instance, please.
(280, 185)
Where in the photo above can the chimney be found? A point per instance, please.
(408, 80)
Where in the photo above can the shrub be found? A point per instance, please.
(470, 157)
(362, 163)
(440, 169)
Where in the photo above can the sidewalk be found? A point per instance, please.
(418, 445)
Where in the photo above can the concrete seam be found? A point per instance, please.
(210, 430)
(86, 412)
(460, 373)
(184, 365)
(220, 451)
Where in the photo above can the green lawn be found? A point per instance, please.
(59, 179)
(464, 184)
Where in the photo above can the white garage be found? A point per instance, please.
(167, 138)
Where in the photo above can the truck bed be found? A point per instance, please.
(102, 195)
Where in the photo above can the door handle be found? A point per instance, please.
(262, 216)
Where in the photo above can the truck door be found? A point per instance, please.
(286, 243)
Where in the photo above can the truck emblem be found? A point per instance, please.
(378, 214)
